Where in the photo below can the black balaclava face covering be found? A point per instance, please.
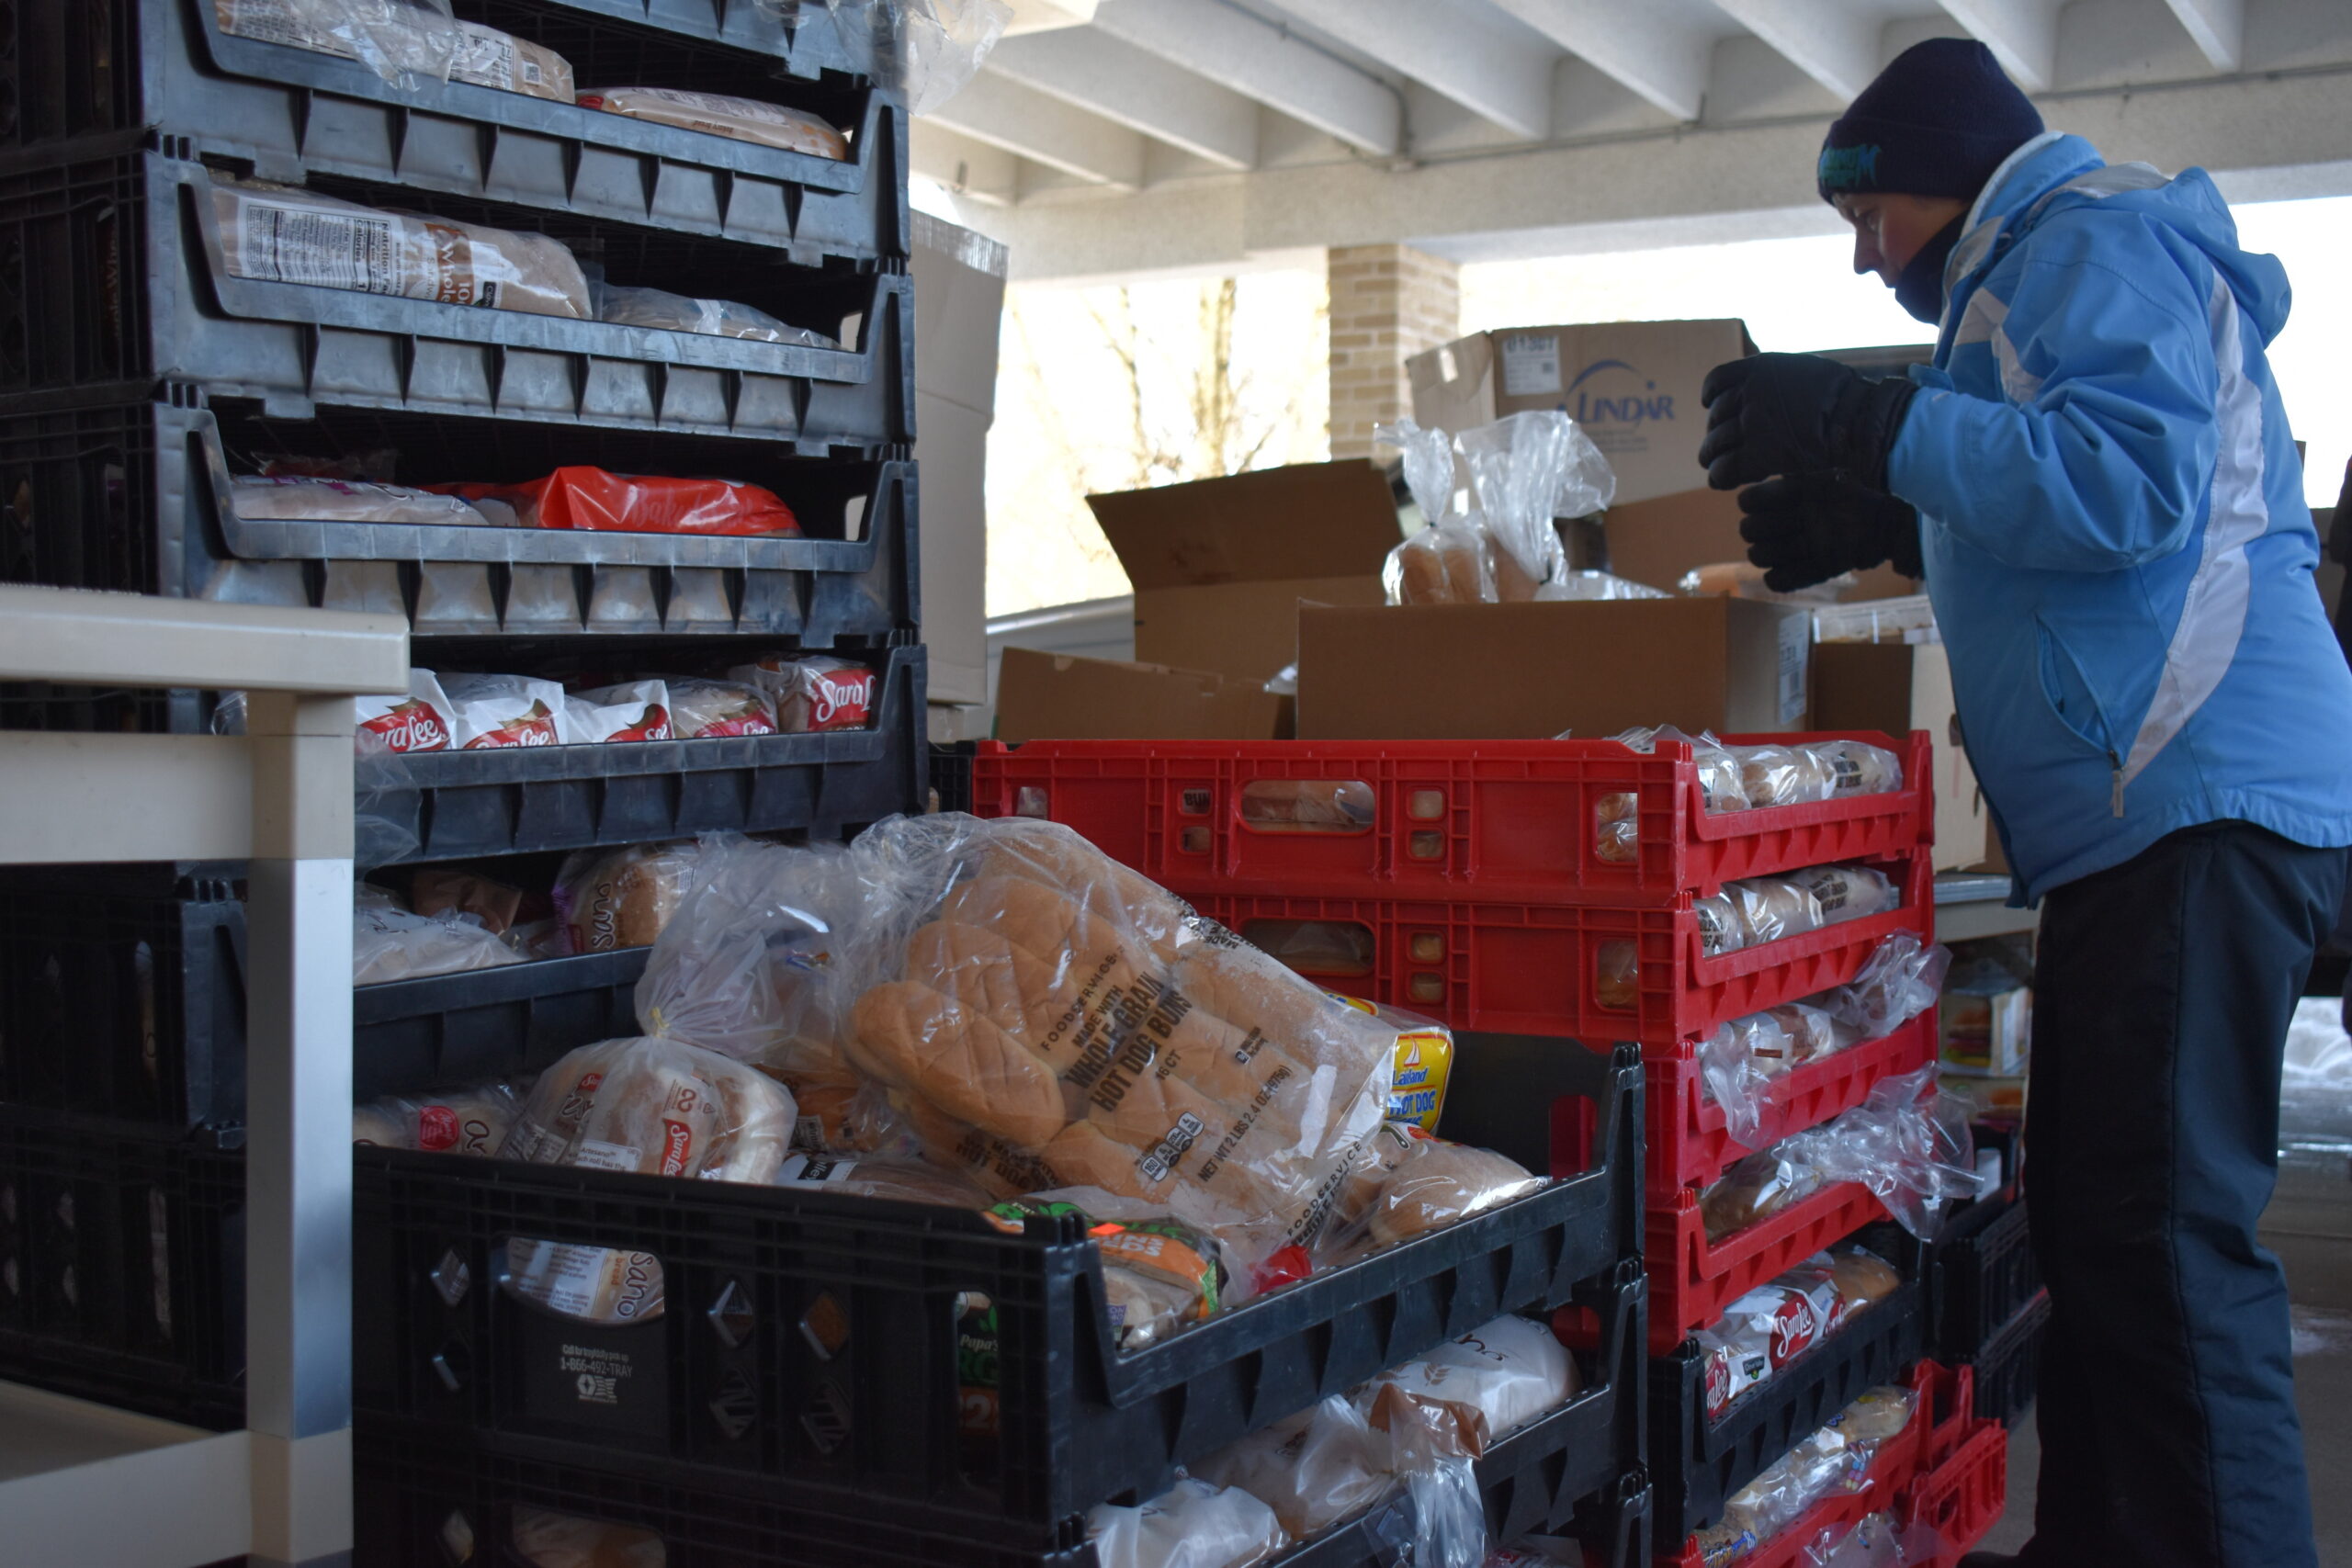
(1920, 290)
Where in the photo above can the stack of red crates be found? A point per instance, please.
(1470, 881)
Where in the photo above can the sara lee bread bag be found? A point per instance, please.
(1047, 1019)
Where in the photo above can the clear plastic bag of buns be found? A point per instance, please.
(472, 1120)
(1445, 563)
(1772, 908)
(1722, 786)
(608, 899)
(1314, 1468)
(1402, 1183)
(1192, 1525)
(1902, 979)
(1758, 1188)
(1477, 1389)
(1617, 828)
(1038, 1011)
(1848, 892)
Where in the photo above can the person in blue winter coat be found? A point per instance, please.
(2097, 481)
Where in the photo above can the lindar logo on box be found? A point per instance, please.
(1614, 399)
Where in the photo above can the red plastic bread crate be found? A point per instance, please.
(1689, 1143)
(1443, 820)
(1899, 1464)
(1534, 968)
(1694, 1280)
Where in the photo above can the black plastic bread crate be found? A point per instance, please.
(1696, 1464)
(123, 1002)
(136, 497)
(2008, 1370)
(509, 800)
(487, 1023)
(288, 114)
(951, 776)
(1983, 1274)
(808, 1345)
(122, 1270)
(113, 281)
(1562, 1474)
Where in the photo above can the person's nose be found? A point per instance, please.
(1866, 256)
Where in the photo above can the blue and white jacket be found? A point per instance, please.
(2112, 517)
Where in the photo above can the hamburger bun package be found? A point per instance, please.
(422, 720)
(811, 693)
(708, 710)
(637, 711)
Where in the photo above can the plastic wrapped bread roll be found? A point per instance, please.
(1719, 784)
(708, 710)
(393, 944)
(1784, 775)
(1857, 767)
(1772, 908)
(659, 1107)
(1046, 1012)
(300, 497)
(278, 234)
(1318, 1467)
(1445, 563)
(639, 710)
(507, 710)
(1192, 1525)
(1755, 1188)
(1478, 1389)
(811, 694)
(1848, 892)
(397, 38)
(1617, 829)
(545, 1538)
(1434, 1183)
(471, 1120)
(422, 719)
(1723, 923)
(611, 899)
(717, 114)
(661, 308)
(1861, 1278)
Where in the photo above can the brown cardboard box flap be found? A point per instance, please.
(1506, 671)
(1063, 696)
(1309, 521)
(1657, 541)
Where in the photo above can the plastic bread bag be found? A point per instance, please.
(407, 42)
(1722, 786)
(1477, 1389)
(1617, 828)
(1876, 1541)
(493, 902)
(1023, 987)
(278, 235)
(1315, 1469)
(1426, 1183)
(1192, 1525)
(1427, 458)
(1848, 892)
(661, 1107)
(1588, 587)
(658, 308)
(900, 1180)
(1907, 1143)
(1862, 1278)
(744, 966)
(1784, 775)
(610, 899)
(1160, 1275)
(1736, 1065)
(507, 710)
(1772, 908)
(583, 497)
(637, 711)
(1449, 1511)
(393, 944)
(1833, 1459)
(472, 1121)
(1423, 1059)
(1857, 767)
(1900, 980)
(422, 720)
(718, 114)
(1758, 1188)
(928, 49)
(545, 1538)
(811, 694)
(1766, 1330)
(1445, 563)
(708, 710)
(255, 498)
(1517, 466)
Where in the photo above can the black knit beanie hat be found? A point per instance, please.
(1936, 123)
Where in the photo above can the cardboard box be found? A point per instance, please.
(1061, 696)
(1219, 566)
(1986, 1036)
(1504, 672)
(959, 304)
(1657, 541)
(1900, 687)
(1634, 386)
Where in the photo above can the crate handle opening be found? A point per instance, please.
(601, 1285)
(1307, 805)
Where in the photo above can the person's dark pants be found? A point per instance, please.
(2161, 995)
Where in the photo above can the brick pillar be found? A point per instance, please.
(1388, 302)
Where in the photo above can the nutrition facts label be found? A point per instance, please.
(330, 250)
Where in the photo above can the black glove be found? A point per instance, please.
(1808, 528)
(1798, 413)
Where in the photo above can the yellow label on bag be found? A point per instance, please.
(1424, 1059)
